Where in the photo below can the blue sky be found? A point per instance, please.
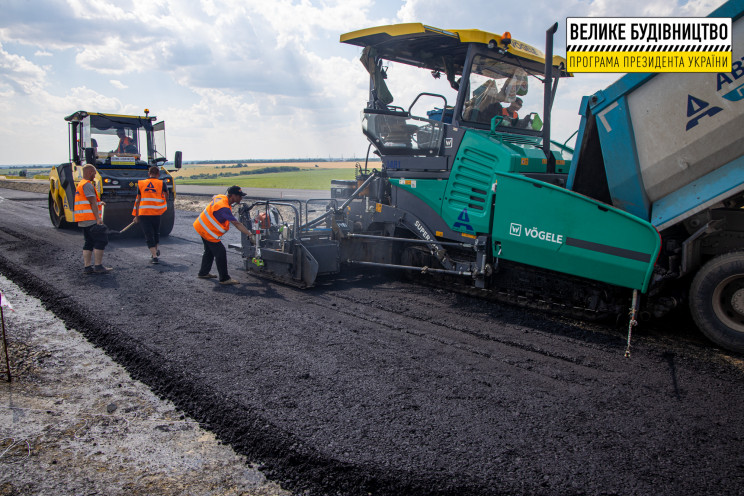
(240, 79)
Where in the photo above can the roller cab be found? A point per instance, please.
(123, 148)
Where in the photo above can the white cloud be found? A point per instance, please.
(84, 98)
(118, 84)
(407, 12)
(102, 9)
(300, 22)
(19, 76)
(111, 57)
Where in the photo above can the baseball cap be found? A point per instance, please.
(235, 190)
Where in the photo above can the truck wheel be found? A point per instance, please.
(167, 220)
(717, 301)
(57, 214)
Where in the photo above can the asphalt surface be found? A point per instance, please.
(368, 384)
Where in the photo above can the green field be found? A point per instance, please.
(304, 179)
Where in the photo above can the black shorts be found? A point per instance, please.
(95, 237)
(150, 225)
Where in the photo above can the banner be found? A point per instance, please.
(658, 44)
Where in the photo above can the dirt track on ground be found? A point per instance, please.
(368, 384)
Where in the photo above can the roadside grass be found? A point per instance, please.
(202, 168)
(23, 178)
(303, 179)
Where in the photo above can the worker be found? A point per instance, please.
(126, 144)
(150, 204)
(512, 109)
(89, 216)
(211, 225)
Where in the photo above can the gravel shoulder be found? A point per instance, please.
(72, 422)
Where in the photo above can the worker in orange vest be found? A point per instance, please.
(88, 213)
(211, 225)
(512, 109)
(126, 144)
(150, 204)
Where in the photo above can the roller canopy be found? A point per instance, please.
(437, 49)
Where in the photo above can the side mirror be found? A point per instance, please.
(178, 159)
(90, 156)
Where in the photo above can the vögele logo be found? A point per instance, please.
(515, 229)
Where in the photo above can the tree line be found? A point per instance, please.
(262, 170)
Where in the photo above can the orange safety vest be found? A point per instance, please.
(123, 144)
(505, 113)
(152, 200)
(207, 224)
(82, 208)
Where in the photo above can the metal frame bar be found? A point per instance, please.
(412, 240)
(423, 270)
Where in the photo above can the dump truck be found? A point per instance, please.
(642, 215)
(123, 148)
(668, 149)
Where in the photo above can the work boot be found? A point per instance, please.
(100, 269)
(229, 282)
(154, 260)
(206, 276)
(88, 270)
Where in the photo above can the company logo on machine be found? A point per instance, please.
(463, 221)
(424, 233)
(697, 109)
(736, 94)
(448, 142)
(525, 47)
(535, 233)
(724, 79)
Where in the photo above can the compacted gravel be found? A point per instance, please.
(367, 384)
(72, 422)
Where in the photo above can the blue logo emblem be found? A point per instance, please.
(697, 109)
(464, 220)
